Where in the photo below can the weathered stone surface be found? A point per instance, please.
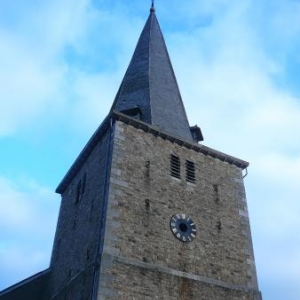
(221, 254)
(135, 281)
(75, 257)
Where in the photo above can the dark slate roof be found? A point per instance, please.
(150, 84)
(32, 288)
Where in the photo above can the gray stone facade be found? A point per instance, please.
(115, 241)
(141, 257)
(113, 238)
(75, 257)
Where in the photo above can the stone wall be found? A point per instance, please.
(75, 256)
(138, 280)
(143, 197)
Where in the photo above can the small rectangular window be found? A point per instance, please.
(175, 166)
(190, 171)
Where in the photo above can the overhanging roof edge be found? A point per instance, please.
(196, 147)
(147, 128)
(83, 155)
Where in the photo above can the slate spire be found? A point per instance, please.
(149, 88)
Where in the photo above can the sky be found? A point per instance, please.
(238, 68)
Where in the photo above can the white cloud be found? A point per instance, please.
(27, 221)
(54, 50)
(32, 72)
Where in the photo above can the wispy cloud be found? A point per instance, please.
(52, 51)
(27, 221)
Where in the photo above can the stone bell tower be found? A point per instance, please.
(147, 211)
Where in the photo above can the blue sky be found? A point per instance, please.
(238, 67)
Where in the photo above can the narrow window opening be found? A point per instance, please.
(78, 191)
(91, 209)
(80, 188)
(83, 184)
(175, 166)
(190, 171)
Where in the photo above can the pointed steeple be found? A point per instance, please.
(149, 88)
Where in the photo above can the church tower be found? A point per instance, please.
(147, 211)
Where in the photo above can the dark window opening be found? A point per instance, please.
(134, 112)
(83, 184)
(175, 166)
(190, 171)
(78, 191)
(80, 188)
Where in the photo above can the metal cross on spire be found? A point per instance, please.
(152, 9)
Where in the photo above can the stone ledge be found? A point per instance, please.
(173, 272)
(189, 145)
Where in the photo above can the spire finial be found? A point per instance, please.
(152, 9)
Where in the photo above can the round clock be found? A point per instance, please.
(183, 227)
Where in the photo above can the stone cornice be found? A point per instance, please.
(117, 116)
(187, 144)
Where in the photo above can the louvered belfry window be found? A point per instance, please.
(190, 171)
(175, 166)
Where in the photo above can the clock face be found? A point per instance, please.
(183, 227)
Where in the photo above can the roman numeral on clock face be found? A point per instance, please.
(183, 227)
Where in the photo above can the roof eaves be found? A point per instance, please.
(84, 155)
(24, 282)
(147, 128)
(177, 140)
